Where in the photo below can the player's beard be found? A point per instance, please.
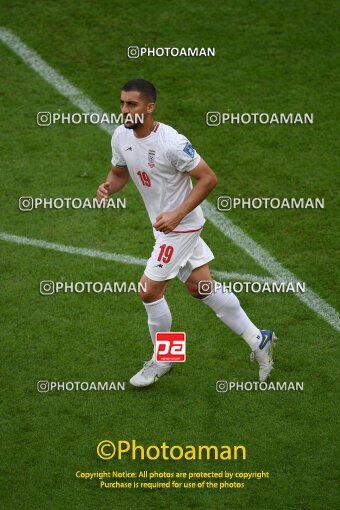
(131, 125)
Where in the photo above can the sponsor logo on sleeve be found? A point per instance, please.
(189, 150)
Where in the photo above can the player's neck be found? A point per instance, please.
(145, 129)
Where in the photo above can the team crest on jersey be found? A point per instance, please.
(151, 158)
(188, 149)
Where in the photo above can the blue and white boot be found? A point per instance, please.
(263, 354)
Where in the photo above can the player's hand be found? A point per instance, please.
(103, 192)
(167, 221)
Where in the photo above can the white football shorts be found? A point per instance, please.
(177, 255)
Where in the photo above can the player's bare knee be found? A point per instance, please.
(193, 290)
(143, 294)
(146, 296)
(150, 295)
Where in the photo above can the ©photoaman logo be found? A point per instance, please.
(170, 346)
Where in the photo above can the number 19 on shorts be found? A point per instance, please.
(165, 253)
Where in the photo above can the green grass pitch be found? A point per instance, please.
(270, 57)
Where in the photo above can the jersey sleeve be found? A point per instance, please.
(117, 156)
(182, 155)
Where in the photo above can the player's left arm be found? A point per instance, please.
(206, 181)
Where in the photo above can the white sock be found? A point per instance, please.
(252, 335)
(159, 319)
(227, 308)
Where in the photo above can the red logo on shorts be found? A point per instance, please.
(170, 347)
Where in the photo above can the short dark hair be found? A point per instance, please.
(144, 87)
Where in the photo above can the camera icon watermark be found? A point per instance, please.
(26, 203)
(213, 119)
(46, 287)
(44, 119)
(224, 203)
(133, 52)
(222, 386)
(43, 386)
(205, 287)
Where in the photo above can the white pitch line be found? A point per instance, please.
(222, 275)
(58, 82)
(223, 224)
(115, 257)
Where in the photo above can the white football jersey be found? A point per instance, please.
(159, 165)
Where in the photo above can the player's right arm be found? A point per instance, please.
(116, 179)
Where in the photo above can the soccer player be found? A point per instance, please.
(162, 162)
